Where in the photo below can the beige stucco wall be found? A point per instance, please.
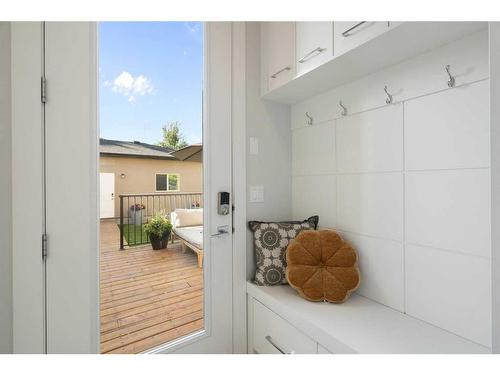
(140, 175)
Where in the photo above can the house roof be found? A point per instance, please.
(190, 153)
(134, 149)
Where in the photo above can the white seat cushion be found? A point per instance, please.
(183, 217)
(193, 235)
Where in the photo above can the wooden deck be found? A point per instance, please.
(148, 297)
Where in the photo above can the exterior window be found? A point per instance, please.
(173, 182)
(167, 182)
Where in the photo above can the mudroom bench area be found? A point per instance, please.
(278, 320)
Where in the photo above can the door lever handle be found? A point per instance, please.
(222, 231)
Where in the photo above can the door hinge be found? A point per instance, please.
(43, 90)
(44, 245)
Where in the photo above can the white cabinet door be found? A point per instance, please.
(349, 35)
(314, 44)
(279, 44)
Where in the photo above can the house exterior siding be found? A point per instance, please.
(140, 175)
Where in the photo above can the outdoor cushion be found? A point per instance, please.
(270, 242)
(185, 217)
(322, 266)
(193, 235)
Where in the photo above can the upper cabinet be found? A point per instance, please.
(314, 44)
(303, 59)
(278, 48)
(349, 35)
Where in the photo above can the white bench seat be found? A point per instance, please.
(359, 325)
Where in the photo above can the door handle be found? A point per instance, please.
(280, 71)
(314, 52)
(346, 33)
(222, 231)
(278, 347)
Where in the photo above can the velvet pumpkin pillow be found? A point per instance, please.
(271, 240)
(322, 266)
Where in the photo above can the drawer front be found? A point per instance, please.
(323, 350)
(274, 335)
(349, 35)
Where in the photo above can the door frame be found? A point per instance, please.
(29, 330)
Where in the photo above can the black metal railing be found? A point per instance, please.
(137, 209)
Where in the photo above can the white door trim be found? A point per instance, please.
(238, 119)
(27, 189)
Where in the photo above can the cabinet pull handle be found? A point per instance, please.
(281, 350)
(345, 34)
(310, 54)
(280, 71)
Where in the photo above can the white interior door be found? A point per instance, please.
(72, 211)
(106, 195)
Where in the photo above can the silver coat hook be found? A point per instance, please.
(451, 81)
(309, 119)
(389, 96)
(344, 109)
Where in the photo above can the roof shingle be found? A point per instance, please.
(138, 149)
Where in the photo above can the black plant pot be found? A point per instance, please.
(159, 243)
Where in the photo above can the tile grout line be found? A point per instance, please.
(404, 209)
(392, 172)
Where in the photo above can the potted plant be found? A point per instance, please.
(158, 229)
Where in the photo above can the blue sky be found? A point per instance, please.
(150, 73)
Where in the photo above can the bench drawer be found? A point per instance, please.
(274, 335)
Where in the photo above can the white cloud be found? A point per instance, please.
(131, 87)
(192, 27)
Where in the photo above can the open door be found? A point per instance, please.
(67, 295)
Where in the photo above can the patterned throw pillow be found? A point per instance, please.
(270, 243)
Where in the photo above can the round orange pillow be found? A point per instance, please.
(322, 266)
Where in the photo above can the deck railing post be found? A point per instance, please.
(121, 223)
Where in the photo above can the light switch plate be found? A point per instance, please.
(256, 194)
(254, 146)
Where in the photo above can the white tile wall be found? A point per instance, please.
(315, 195)
(408, 184)
(450, 129)
(371, 141)
(381, 263)
(450, 290)
(371, 204)
(449, 210)
(313, 150)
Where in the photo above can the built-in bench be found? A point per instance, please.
(282, 322)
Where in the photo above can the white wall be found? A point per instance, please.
(495, 178)
(408, 184)
(5, 193)
(270, 124)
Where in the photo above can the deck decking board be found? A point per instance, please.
(132, 308)
(157, 278)
(147, 297)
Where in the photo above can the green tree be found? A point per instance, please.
(172, 136)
